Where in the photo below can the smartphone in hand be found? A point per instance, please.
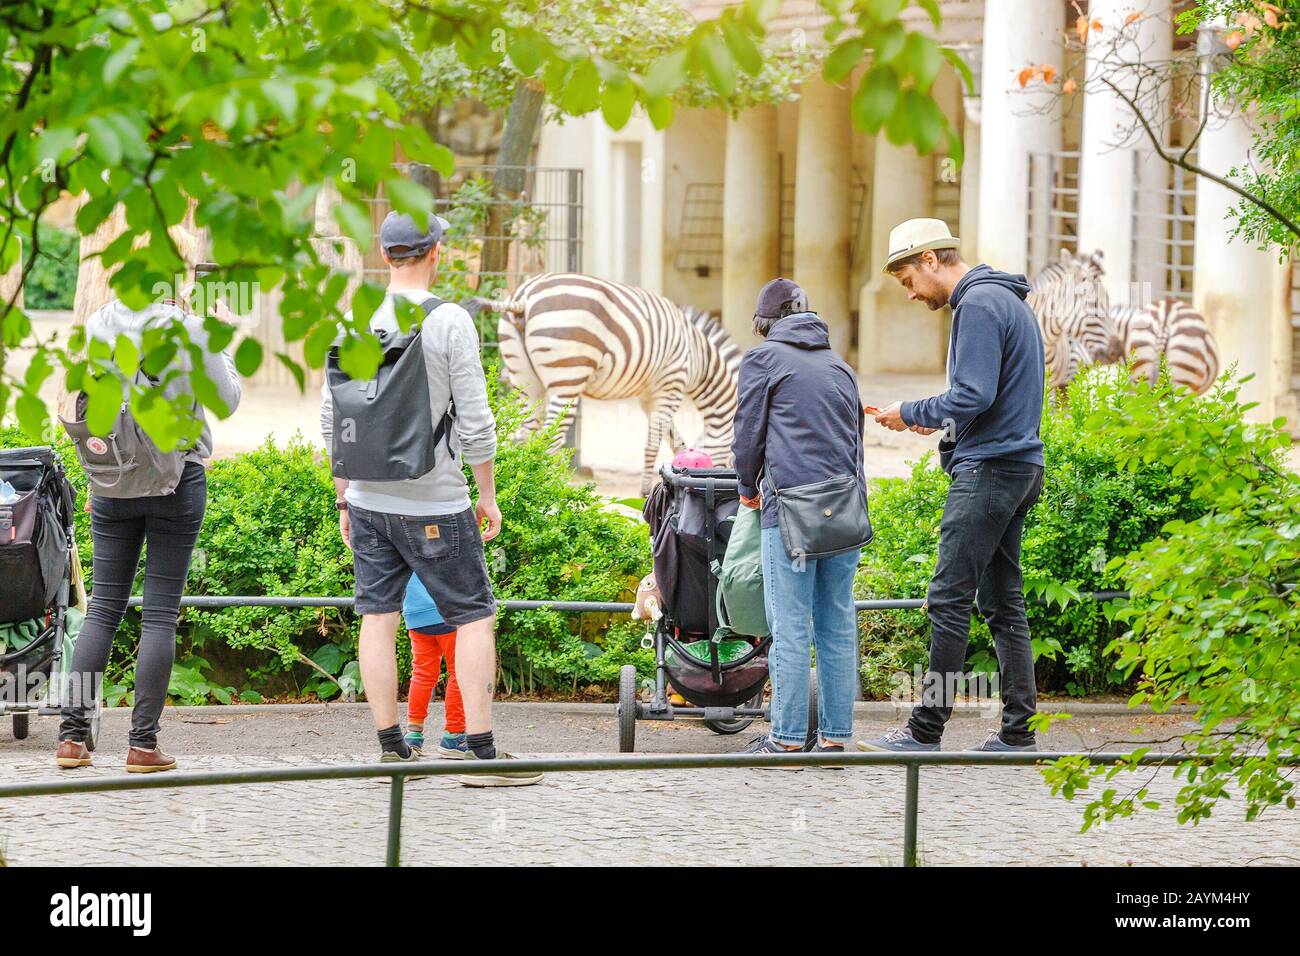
(871, 409)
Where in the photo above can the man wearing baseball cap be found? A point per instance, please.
(799, 422)
(426, 525)
(990, 416)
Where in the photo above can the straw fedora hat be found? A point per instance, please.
(918, 235)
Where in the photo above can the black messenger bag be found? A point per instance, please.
(823, 518)
(382, 427)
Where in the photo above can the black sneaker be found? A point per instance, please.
(766, 745)
(995, 744)
(505, 778)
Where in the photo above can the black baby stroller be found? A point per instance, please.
(720, 675)
(36, 568)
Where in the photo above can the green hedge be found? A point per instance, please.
(52, 283)
(271, 529)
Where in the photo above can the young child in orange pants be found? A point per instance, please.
(431, 640)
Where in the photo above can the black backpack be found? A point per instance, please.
(376, 436)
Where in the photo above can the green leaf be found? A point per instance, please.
(582, 91)
(932, 8)
(665, 75)
(921, 57)
(354, 220)
(119, 60)
(103, 402)
(282, 96)
(103, 141)
(411, 198)
(963, 70)
(742, 47)
(875, 99)
(886, 42)
(660, 112)
(295, 369)
(248, 357)
(359, 357)
(715, 60)
(527, 51)
(32, 415)
(127, 355)
(616, 104)
(843, 59)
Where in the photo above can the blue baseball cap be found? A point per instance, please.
(401, 238)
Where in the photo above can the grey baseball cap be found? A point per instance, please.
(400, 237)
(778, 293)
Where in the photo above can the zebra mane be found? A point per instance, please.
(715, 334)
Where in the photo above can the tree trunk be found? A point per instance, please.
(510, 177)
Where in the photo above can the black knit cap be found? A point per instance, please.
(780, 297)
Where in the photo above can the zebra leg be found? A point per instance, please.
(660, 410)
(560, 407)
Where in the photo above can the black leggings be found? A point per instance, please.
(170, 524)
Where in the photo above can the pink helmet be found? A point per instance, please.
(691, 458)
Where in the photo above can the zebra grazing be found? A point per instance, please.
(1074, 315)
(565, 335)
(1175, 331)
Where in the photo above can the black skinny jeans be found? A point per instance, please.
(170, 525)
(979, 564)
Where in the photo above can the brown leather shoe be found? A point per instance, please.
(139, 760)
(71, 754)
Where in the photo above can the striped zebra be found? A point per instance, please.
(565, 335)
(1174, 331)
(1074, 315)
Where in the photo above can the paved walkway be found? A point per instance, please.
(968, 815)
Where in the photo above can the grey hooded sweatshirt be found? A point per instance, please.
(116, 319)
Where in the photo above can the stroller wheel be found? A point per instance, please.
(22, 723)
(627, 709)
(736, 724)
(811, 740)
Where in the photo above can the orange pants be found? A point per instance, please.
(427, 652)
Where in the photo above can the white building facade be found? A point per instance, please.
(709, 209)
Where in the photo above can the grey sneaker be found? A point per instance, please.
(766, 745)
(389, 756)
(896, 741)
(995, 744)
(505, 778)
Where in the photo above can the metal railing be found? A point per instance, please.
(398, 772)
(216, 602)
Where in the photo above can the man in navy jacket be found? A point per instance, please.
(989, 415)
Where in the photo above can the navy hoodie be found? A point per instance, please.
(994, 401)
(798, 411)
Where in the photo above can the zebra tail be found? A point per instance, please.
(511, 306)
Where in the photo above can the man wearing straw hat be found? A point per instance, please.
(990, 415)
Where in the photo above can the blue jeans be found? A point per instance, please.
(810, 607)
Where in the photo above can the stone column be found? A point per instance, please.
(751, 217)
(1234, 281)
(822, 221)
(1112, 140)
(895, 335)
(970, 181)
(1014, 122)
